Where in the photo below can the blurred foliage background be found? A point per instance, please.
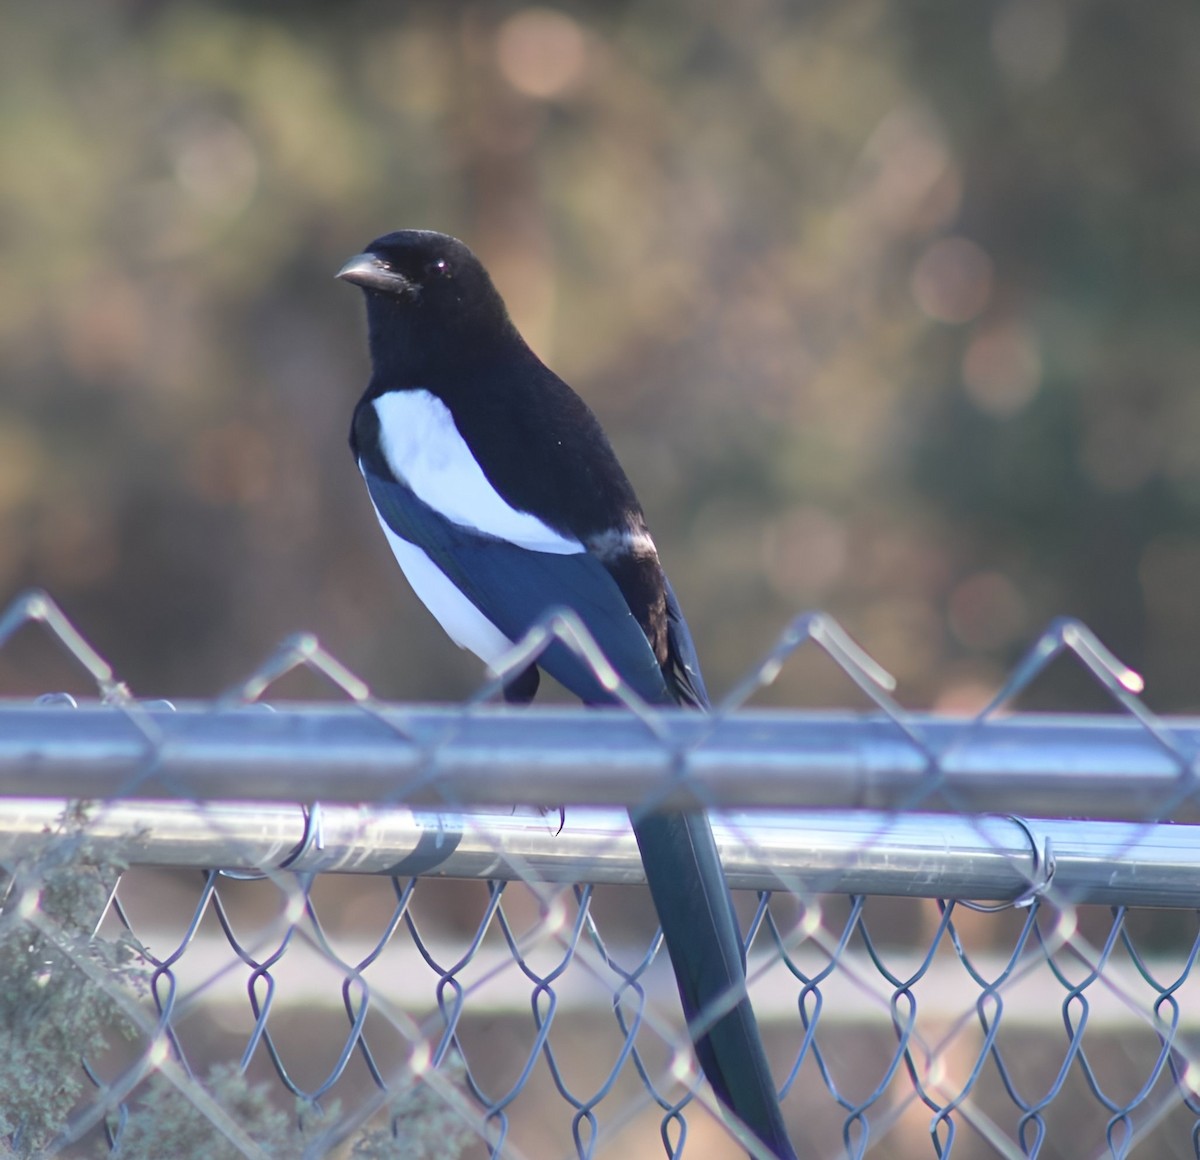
(890, 309)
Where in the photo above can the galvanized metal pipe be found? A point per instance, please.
(915, 855)
(1097, 767)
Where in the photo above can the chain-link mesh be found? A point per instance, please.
(438, 952)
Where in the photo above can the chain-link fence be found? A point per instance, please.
(966, 937)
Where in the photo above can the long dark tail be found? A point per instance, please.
(700, 929)
(701, 932)
(696, 913)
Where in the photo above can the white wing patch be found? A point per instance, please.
(424, 449)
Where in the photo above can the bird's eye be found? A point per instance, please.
(440, 267)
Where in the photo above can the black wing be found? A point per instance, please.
(515, 588)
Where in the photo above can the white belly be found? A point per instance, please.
(463, 622)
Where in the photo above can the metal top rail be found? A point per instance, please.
(1098, 767)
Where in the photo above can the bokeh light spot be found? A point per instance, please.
(541, 52)
(952, 280)
(1002, 369)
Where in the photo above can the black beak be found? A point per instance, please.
(373, 273)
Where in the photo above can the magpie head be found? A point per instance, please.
(420, 271)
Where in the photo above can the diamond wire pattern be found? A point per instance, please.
(954, 1065)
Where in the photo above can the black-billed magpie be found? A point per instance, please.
(502, 498)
